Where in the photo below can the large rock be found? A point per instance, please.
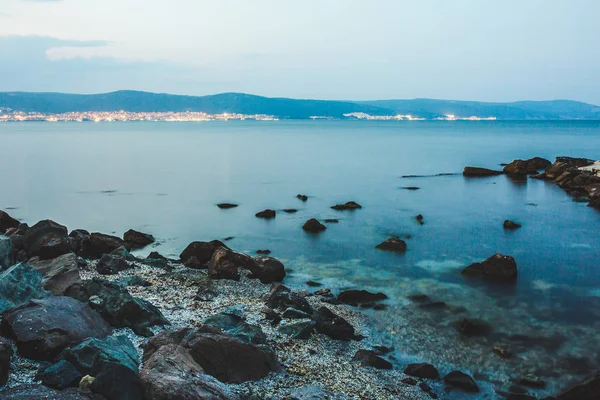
(333, 325)
(281, 298)
(42, 329)
(589, 389)
(118, 307)
(219, 355)
(60, 376)
(225, 264)
(96, 245)
(116, 382)
(356, 297)
(480, 172)
(234, 324)
(91, 355)
(19, 284)
(198, 254)
(111, 264)
(39, 392)
(268, 269)
(7, 252)
(266, 214)
(526, 167)
(6, 353)
(313, 226)
(171, 373)
(137, 240)
(392, 244)
(370, 359)
(462, 381)
(7, 222)
(351, 205)
(497, 268)
(59, 273)
(46, 240)
(422, 370)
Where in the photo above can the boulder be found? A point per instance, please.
(225, 264)
(201, 251)
(266, 214)
(313, 226)
(589, 389)
(171, 373)
(59, 274)
(235, 325)
(393, 244)
(46, 240)
(6, 353)
(356, 297)
(38, 392)
(91, 355)
(371, 359)
(218, 354)
(7, 252)
(281, 298)
(511, 225)
(43, 328)
(497, 268)
(118, 307)
(137, 240)
(76, 238)
(19, 284)
(351, 205)
(422, 370)
(226, 206)
(111, 264)
(292, 313)
(116, 382)
(268, 269)
(480, 172)
(60, 376)
(96, 245)
(7, 222)
(462, 381)
(526, 167)
(333, 325)
(297, 329)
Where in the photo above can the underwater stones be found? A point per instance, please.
(422, 370)
(511, 225)
(313, 284)
(588, 389)
(19, 284)
(197, 254)
(332, 325)
(6, 353)
(497, 268)
(7, 252)
(267, 269)
(356, 297)
(348, 206)
(393, 244)
(59, 274)
(226, 206)
(473, 327)
(526, 167)
(46, 240)
(302, 197)
(313, 226)
(7, 222)
(266, 214)
(480, 172)
(371, 359)
(462, 381)
(137, 240)
(110, 264)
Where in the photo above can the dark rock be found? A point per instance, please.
(351, 205)
(422, 370)
(117, 382)
(263, 252)
(266, 214)
(302, 197)
(157, 256)
(333, 325)
(526, 167)
(91, 355)
(473, 327)
(219, 355)
(419, 298)
(97, 244)
(226, 206)
(59, 274)
(356, 297)
(419, 219)
(331, 221)
(281, 298)
(393, 244)
(410, 188)
(511, 225)
(41, 329)
(267, 269)
(46, 240)
(38, 392)
(272, 315)
(532, 381)
(133, 280)
(60, 376)
(118, 307)
(201, 251)
(433, 305)
(6, 353)
(324, 292)
(137, 240)
(225, 264)
(206, 293)
(589, 389)
(462, 381)
(110, 265)
(236, 326)
(76, 239)
(313, 226)
(19, 284)
(497, 268)
(480, 172)
(409, 381)
(123, 253)
(7, 222)
(297, 329)
(313, 284)
(383, 349)
(292, 313)
(371, 359)
(425, 387)
(290, 210)
(7, 252)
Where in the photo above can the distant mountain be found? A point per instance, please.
(134, 101)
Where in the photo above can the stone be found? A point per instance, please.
(7, 252)
(462, 381)
(43, 328)
(264, 252)
(19, 284)
(225, 264)
(133, 280)
(6, 353)
(118, 307)
(110, 264)
(409, 381)
(480, 172)
(419, 219)
(297, 329)
(332, 325)
(511, 225)
(351, 205)
(117, 382)
(272, 315)
(206, 293)
(137, 240)
(422, 370)
(76, 239)
(356, 297)
(292, 313)
(371, 359)
(527, 167)
(313, 226)
(38, 392)
(7, 222)
(226, 206)
(266, 214)
(290, 210)
(268, 269)
(473, 327)
(202, 251)
(236, 326)
(588, 389)
(60, 376)
(59, 274)
(313, 283)
(97, 244)
(281, 298)
(392, 244)
(46, 240)
(497, 268)
(302, 197)
(90, 356)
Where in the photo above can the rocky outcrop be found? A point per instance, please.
(356, 297)
(497, 268)
(198, 254)
(6, 353)
(7, 222)
(19, 284)
(111, 264)
(43, 328)
(137, 240)
(393, 244)
(268, 269)
(313, 226)
(351, 205)
(511, 225)
(527, 167)
(332, 325)
(59, 274)
(370, 359)
(7, 252)
(46, 240)
(589, 389)
(422, 370)
(477, 172)
(266, 214)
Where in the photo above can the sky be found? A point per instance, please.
(487, 50)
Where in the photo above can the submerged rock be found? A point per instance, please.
(7, 222)
(356, 297)
(302, 197)
(313, 226)
(7, 252)
(371, 359)
(136, 240)
(46, 240)
(351, 205)
(290, 210)
(6, 353)
(19, 284)
(473, 327)
(462, 381)
(422, 370)
(393, 244)
(497, 268)
(266, 214)
(263, 252)
(59, 274)
(511, 225)
(480, 172)
(226, 206)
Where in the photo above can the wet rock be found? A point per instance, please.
(76, 239)
(6, 353)
(37, 392)
(225, 264)
(480, 172)
(133, 280)
(313, 284)
(272, 316)
(333, 325)
(60, 376)
(226, 206)
(292, 313)
(297, 329)
(351, 205)
(419, 219)
(371, 359)
(356, 297)
(59, 274)
(7, 252)
(201, 251)
(19, 284)
(462, 381)
(266, 214)
(43, 328)
(263, 252)
(410, 188)
(236, 326)
(409, 381)
(497, 268)
(157, 256)
(90, 356)
(7, 222)
(511, 225)
(473, 327)
(393, 244)
(118, 307)
(427, 389)
(219, 355)
(110, 264)
(267, 269)
(46, 240)
(302, 197)
(281, 298)
(313, 226)
(331, 221)
(116, 382)
(589, 389)
(97, 244)
(137, 240)
(526, 167)
(422, 370)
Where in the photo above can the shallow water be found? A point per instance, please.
(166, 179)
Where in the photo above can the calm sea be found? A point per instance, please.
(166, 179)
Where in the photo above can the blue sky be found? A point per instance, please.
(488, 50)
